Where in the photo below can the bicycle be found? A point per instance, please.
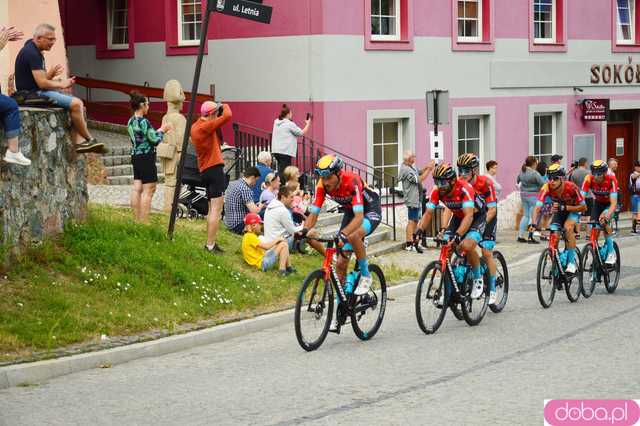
(448, 284)
(316, 298)
(595, 267)
(551, 270)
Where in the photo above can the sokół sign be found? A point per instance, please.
(595, 109)
(253, 10)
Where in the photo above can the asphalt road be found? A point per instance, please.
(498, 372)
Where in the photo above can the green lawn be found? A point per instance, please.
(114, 277)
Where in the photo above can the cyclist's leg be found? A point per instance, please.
(570, 221)
(471, 240)
(488, 244)
(596, 211)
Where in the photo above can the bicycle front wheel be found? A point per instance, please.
(573, 284)
(314, 310)
(590, 270)
(545, 279)
(368, 311)
(430, 298)
(502, 283)
(613, 277)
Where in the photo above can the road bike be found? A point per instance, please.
(447, 283)
(321, 288)
(551, 275)
(594, 266)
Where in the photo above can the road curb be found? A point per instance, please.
(41, 371)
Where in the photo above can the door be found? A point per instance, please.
(620, 143)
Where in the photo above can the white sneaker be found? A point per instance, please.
(492, 297)
(611, 258)
(363, 286)
(334, 322)
(478, 287)
(571, 268)
(441, 298)
(410, 248)
(16, 158)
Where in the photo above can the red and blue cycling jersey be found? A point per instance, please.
(348, 194)
(568, 194)
(462, 196)
(484, 188)
(602, 191)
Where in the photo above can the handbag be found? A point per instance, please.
(166, 150)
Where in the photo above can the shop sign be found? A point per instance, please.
(615, 73)
(595, 109)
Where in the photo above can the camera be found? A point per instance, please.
(220, 110)
(574, 165)
(309, 115)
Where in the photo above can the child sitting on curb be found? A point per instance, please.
(261, 254)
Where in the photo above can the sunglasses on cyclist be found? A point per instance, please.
(442, 182)
(598, 174)
(322, 172)
(556, 178)
(464, 171)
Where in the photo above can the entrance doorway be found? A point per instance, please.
(622, 144)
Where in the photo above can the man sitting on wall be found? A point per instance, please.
(32, 76)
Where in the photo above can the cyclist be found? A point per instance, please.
(362, 215)
(467, 224)
(568, 203)
(469, 170)
(604, 187)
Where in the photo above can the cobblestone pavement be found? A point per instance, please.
(119, 195)
(496, 373)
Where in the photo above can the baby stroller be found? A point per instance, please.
(193, 202)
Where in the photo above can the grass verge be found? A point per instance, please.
(112, 277)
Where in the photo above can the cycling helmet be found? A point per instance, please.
(468, 161)
(327, 165)
(599, 167)
(555, 171)
(444, 171)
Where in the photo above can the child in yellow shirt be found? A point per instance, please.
(263, 255)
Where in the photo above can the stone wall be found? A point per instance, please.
(38, 201)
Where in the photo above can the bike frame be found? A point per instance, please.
(445, 255)
(330, 273)
(554, 240)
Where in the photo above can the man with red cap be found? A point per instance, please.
(204, 137)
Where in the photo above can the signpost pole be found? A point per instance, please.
(187, 131)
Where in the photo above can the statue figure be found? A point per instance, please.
(174, 95)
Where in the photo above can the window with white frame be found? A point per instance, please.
(189, 22)
(625, 21)
(544, 19)
(117, 24)
(544, 140)
(470, 136)
(385, 19)
(469, 20)
(387, 144)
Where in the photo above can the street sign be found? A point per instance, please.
(252, 10)
(441, 108)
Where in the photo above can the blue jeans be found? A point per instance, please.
(10, 116)
(61, 99)
(635, 203)
(528, 204)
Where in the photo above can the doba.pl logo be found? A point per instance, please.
(578, 412)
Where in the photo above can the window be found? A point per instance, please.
(385, 19)
(625, 21)
(386, 148)
(470, 136)
(189, 22)
(544, 143)
(118, 28)
(469, 20)
(544, 19)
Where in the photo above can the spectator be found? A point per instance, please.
(253, 248)
(32, 76)
(238, 200)
(264, 166)
(9, 111)
(556, 159)
(577, 176)
(634, 189)
(411, 180)
(271, 186)
(144, 139)
(544, 219)
(530, 183)
(492, 171)
(278, 222)
(291, 176)
(284, 145)
(613, 165)
(206, 140)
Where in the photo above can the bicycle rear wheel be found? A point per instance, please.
(431, 286)
(613, 277)
(502, 283)
(474, 310)
(590, 270)
(573, 284)
(314, 310)
(545, 279)
(368, 310)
